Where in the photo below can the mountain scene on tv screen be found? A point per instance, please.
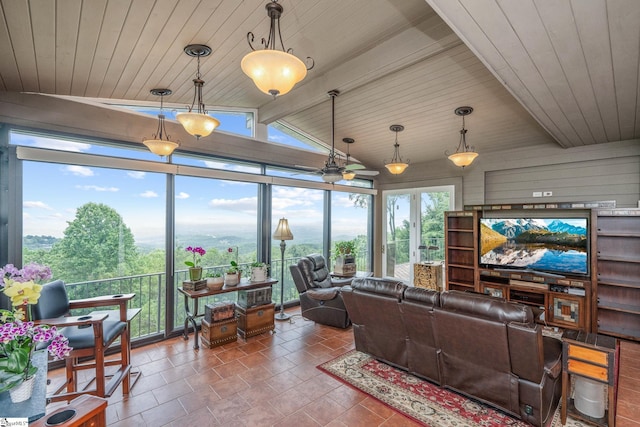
(554, 245)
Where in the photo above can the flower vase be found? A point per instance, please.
(195, 273)
(22, 391)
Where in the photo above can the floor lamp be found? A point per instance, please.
(282, 233)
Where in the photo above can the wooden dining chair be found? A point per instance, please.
(90, 336)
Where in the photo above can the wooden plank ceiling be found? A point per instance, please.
(537, 73)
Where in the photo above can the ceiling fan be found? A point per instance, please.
(353, 169)
(332, 171)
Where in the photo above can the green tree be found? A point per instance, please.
(97, 244)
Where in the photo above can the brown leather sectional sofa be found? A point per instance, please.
(484, 347)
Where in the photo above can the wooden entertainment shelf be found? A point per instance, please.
(556, 302)
(607, 302)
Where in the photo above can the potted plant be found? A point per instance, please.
(19, 338)
(215, 281)
(345, 257)
(259, 272)
(232, 275)
(195, 271)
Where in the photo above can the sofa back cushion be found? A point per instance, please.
(373, 305)
(485, 306)
(422, 348)
(474, 357)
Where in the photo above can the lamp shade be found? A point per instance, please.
(463, 158)
(161, 147)
(282, 231)
(396, 168)
(197, 124)
(274, 72)
(332, 176)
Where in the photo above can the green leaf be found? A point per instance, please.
(189, 263)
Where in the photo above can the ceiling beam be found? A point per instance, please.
(413, 45)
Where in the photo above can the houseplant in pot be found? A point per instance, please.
(344, 253)
(195, 270)
(232, 275)
(259, 271)
(215, 281)
(19, 338)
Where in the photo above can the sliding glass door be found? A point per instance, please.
(414, 228)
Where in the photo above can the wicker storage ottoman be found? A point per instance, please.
(215, 334)
(255, 320)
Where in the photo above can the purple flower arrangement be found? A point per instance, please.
(30, 272)
(18, 341)
(198, 253)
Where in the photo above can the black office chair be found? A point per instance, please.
(320, 298)
(89, 336)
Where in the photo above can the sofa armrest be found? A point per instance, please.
(323, 294)
(552, 356)
(526, 351)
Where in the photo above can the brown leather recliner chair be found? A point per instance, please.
(320, 298)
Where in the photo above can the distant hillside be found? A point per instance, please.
(551, 238)
(489, 239)
(38, 242)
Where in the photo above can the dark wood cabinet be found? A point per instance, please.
(617, 262)
(461, 242)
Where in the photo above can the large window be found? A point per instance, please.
(109, 221)
(100, 230)
(222, 218)
(304, 210)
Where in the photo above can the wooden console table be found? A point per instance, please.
(589, 356)
(192, 314)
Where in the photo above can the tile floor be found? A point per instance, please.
(272, 379)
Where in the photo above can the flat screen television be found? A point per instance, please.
(556, 246)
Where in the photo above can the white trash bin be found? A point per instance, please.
(589, 396)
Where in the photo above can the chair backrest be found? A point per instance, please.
(298, 279)
(314, 271)
(53, 302)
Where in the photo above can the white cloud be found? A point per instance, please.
(79, 170)
(37, 205)
(230, 167)
(55, 144)
(97, 188)
(298, 193)
(136, 174)
(342, 201)
(182, 195)
(245, 204)
(277, 138)
(149, 194)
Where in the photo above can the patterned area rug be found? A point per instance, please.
(419, 399)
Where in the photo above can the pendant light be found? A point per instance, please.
(198, 123)
(348, 174)
(464, 155)
(158, 145)
(273, 71)
(396, 166)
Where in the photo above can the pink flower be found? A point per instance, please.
(196, 259)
